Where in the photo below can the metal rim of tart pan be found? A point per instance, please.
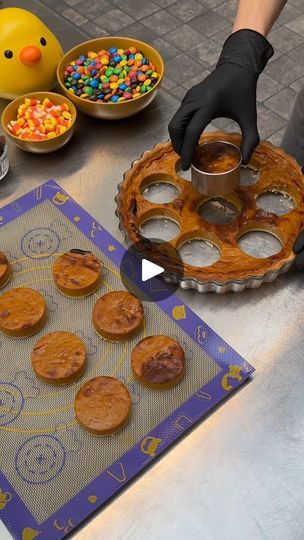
(190, 282)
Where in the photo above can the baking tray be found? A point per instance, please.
(253, 279)
(53, 473)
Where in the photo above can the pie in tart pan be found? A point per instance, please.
(273, 171)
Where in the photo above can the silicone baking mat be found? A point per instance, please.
(53, 473)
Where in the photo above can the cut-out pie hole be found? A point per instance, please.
(249, 176)
(160, 192)
(218, 211)
(260, 244)
(199, 252)
(276, 202)
(160, 227)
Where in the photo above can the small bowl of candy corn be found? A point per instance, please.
(40, 122)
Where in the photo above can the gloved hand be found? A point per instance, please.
(229, 91)
(299, 251)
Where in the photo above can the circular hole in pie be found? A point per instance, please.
(199, 252)
(160, 227)
(276, 202)
(218, 211)
(259, 244)
(249, 176)
(159, 189)
(186, 175)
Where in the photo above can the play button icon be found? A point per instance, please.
(151, 269)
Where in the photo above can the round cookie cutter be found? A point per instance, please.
(235, 270)
(216, 183)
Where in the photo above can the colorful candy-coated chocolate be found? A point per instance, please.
(114, 75)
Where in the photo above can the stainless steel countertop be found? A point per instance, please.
(239, 474)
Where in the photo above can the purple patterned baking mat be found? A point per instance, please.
(234, 370)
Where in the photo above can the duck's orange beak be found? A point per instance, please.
(30, 55)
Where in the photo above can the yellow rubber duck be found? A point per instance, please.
(29, 54)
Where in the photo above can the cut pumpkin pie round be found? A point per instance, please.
(103, 405)
(118, 315)
(158, 362)
(59, 358)
(22, 312)
(77, 273)
(5, 270)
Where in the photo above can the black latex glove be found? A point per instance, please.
(299, 251)
(229, 91)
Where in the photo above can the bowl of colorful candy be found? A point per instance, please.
(111, 77)
(39, 122)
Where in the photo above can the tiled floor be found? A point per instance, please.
(189, 34)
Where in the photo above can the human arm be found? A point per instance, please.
(230, 90)
(258, 15)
